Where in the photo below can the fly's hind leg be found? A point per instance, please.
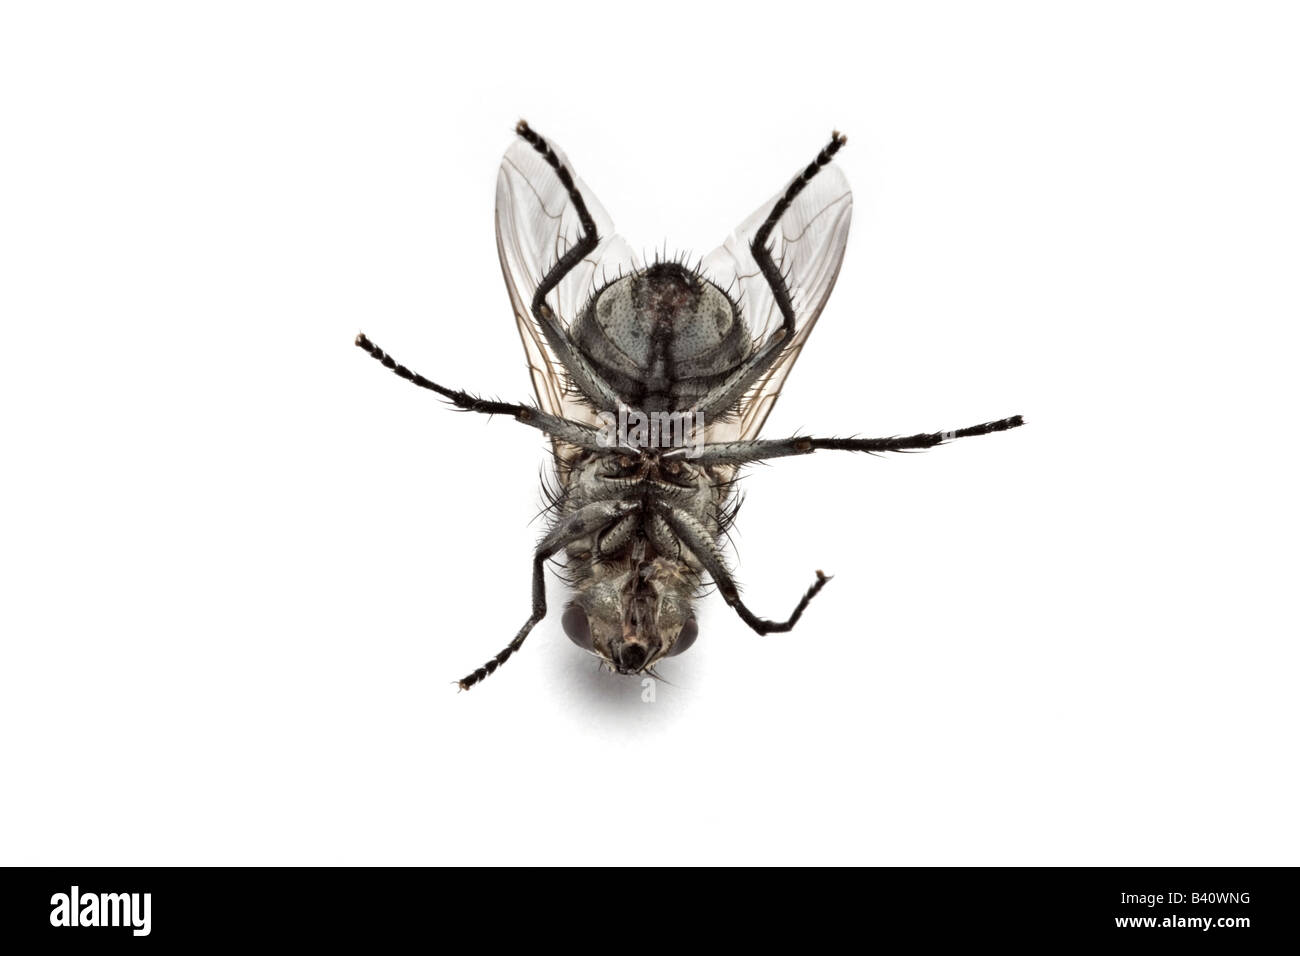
(758, 247)
(586, 243)
(726, 394)
(584, 376)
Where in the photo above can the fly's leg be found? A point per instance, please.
(697, 540)
(726, 394)
(763, 255)
(586, 378)
(587, 520)
(539, 612)
(581, 435)
(742, 452)
(762, 625)
(589, 237)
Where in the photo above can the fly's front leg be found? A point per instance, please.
(742, 452)
(696, 539)
(587, 520)
(582, 436)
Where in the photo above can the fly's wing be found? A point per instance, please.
(808, 247)
(536, 225)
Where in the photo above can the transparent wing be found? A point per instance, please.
(808, 246)
(536, 224)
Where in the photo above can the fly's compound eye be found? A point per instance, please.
(690, 631)
(578, 627)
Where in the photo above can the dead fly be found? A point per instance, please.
(653, 382)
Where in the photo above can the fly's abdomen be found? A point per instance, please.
(662, 336)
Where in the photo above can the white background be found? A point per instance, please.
(242, 565)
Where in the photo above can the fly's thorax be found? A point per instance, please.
(661, 334)
(601, 476)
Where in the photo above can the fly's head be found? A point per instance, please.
(633, 586)
(634, 614)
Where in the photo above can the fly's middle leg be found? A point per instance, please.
(583, 436)
(744, 452)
